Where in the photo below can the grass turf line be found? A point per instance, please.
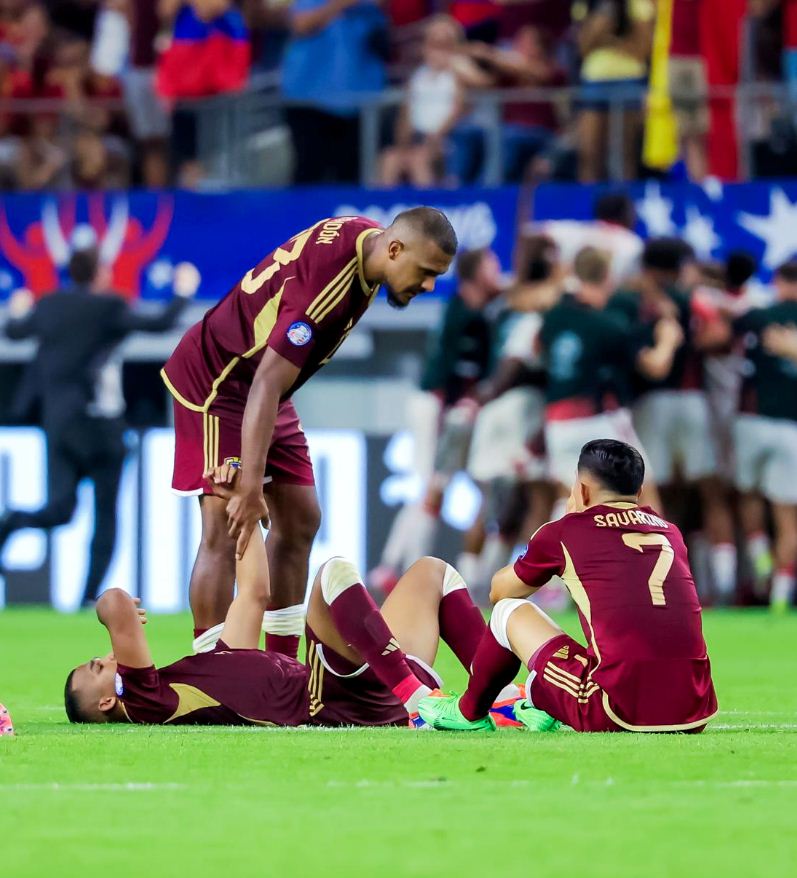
(133, 801)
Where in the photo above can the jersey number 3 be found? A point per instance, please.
(663, 563)
(251, 283)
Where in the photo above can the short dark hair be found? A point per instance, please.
(787, 271)
(431, 223)
(665, 254)
(83, 265)
(615, 207)
(740, 266)
(468, 263)
(74, 711)
(618, 466)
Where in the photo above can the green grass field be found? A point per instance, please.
(135, 801)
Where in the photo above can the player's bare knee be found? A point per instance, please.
(429, 569)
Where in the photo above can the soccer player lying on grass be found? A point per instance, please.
(355, 674)
(645, 667)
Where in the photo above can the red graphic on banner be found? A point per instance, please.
(125, 247)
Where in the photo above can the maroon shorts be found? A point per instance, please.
(561, 684)
(343, 694)
(203, 440)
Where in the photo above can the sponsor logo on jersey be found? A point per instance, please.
(299, 334)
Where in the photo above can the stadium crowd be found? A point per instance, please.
(603, 335)
(101, 93)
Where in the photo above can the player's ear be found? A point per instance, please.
(585, 494)
(107, 703)
(395, 248)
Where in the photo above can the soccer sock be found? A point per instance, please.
(760, 553)
(284, 628)
(782, 586)
(198, 632)
(722, 560)
(360, 623)
(462, 625)
(494, 665)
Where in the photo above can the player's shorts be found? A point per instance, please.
(766, 457)
(676, 429)
(343, 694)
(689, 90)
(560, 683)
(564, 440)
(203, 440)
(505, 428)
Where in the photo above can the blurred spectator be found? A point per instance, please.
(147, 116)
(335, 56)
(614, 39)
(209, 54)
(527, 62)
(689, 85)
(431, 108)
(479, 18)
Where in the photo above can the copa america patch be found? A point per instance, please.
(299, 334)
(118, 685)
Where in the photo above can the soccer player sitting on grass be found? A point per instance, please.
(356, 672)
(645, 666)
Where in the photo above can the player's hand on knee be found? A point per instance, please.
(223, 479)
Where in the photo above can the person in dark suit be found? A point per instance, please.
(77, 378)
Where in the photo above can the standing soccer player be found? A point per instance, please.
(232, 377)
(645, 667)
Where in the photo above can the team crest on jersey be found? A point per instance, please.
(299, 334)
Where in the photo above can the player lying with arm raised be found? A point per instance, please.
(645, 666)
(356, 672)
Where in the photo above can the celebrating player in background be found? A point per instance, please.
(766, 428)
(364, 667)
(232, 377)
(460, 357)
(645, 667)
(589, 354)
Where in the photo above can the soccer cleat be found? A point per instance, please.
(6, 726)
(533, 719)
(442, 712)
(503, 711)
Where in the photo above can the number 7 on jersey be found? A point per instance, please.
(662, 566)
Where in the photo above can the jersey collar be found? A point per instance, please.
(369, 291)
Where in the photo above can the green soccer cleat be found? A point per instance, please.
(533, 719)
(442, 712)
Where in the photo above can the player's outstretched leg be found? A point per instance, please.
(495, 665)
(343, 616)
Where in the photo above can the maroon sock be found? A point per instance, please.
(462, 625)
(493, 668)
(287, 644)
(361, 625)
(198, 632)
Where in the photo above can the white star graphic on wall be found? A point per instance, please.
(699, 232)
(778, 230)
(656, 211)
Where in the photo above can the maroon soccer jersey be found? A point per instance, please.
(224, 687)
(628, 572)
(302, 301)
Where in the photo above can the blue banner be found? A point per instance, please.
(142, 236)
(714, 218)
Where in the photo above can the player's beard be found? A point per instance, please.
(394, 301)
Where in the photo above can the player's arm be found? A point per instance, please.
(244, 618)
(781, 341)
(273, 378)
(123, 617)
(655, 362)
(533, 569)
